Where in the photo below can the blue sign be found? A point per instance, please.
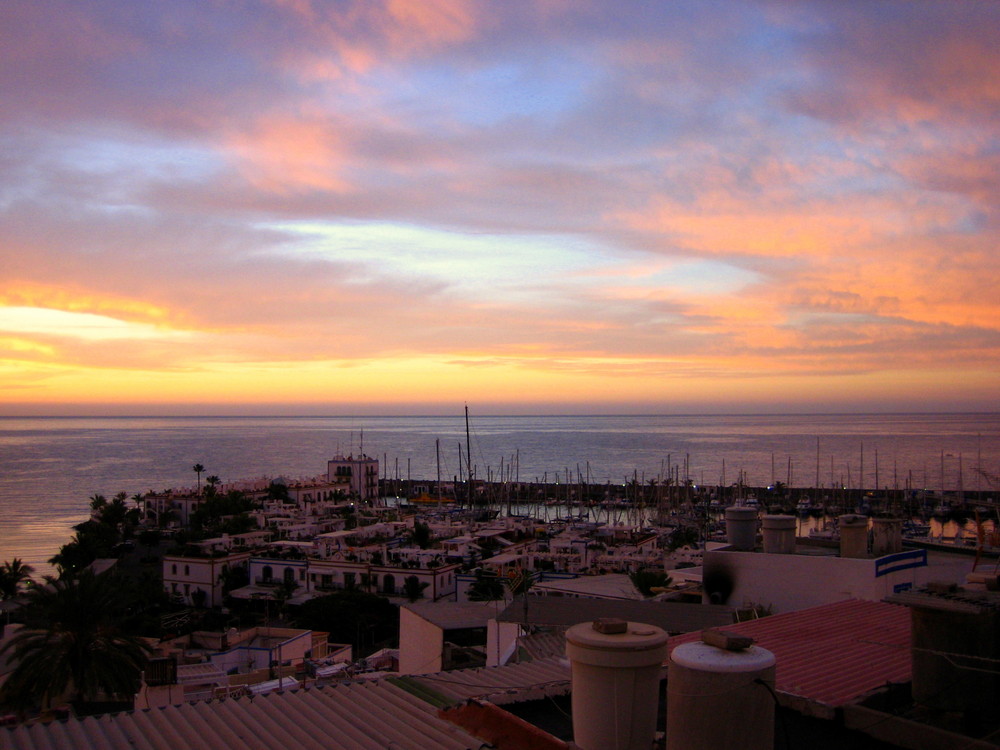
(900, 561)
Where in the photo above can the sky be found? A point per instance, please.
(548, 206)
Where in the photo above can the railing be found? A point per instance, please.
(329, 587)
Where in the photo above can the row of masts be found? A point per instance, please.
(679, 475)
(668, 489)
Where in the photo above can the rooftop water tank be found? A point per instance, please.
(616, 668)
(719, 698)
(779, 534)
(853, 536)
(741, 527)
(887, 536)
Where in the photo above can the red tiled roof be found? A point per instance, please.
(831, 655)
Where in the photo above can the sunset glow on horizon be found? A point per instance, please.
(400, 206)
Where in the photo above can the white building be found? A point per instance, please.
(314, 577)
(172, 509)
(359, 473)
(183, 576)
(446, 635)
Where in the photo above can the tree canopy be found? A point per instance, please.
(645, 581)
(72, 646)
(14, 574)
(487, 587)
(354, 617)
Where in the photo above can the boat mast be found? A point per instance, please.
(817, 463)
(437, 455)
(468, 456)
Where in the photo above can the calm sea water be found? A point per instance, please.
(49, 467)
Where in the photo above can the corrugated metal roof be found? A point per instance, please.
(499, 685)
(541, 645)
(346, 716)
(564, 612)
(831, 655)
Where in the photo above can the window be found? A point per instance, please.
(187, 570)
(173, 569)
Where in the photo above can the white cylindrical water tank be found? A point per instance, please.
(779, 534)
(887, 536)
(853, 536)
(741, 527)
(616, 681)
(715, 698)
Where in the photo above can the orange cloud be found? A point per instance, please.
(76, 299)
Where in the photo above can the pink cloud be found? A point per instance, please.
(290, 155)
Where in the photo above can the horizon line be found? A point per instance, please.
(973, 412)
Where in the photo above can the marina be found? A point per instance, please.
(549, 466)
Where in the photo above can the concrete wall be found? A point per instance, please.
(792, 582)
(501, 640)
(421, 644)
(293, 650)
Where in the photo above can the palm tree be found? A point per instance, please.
(487, 587)
(72, 646)
(213, 483)
(13, 574)
(198, 469)
(114, 513)
(413, 588)
(97, 504)
(520, 582)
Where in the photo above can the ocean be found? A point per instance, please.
(50, 467)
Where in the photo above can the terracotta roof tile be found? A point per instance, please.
(831, 655)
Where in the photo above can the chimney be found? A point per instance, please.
(741, 527)
(719, 695)
(616, 668)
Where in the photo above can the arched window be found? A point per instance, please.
(289, 576)
(389, 584)
(267, 573)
